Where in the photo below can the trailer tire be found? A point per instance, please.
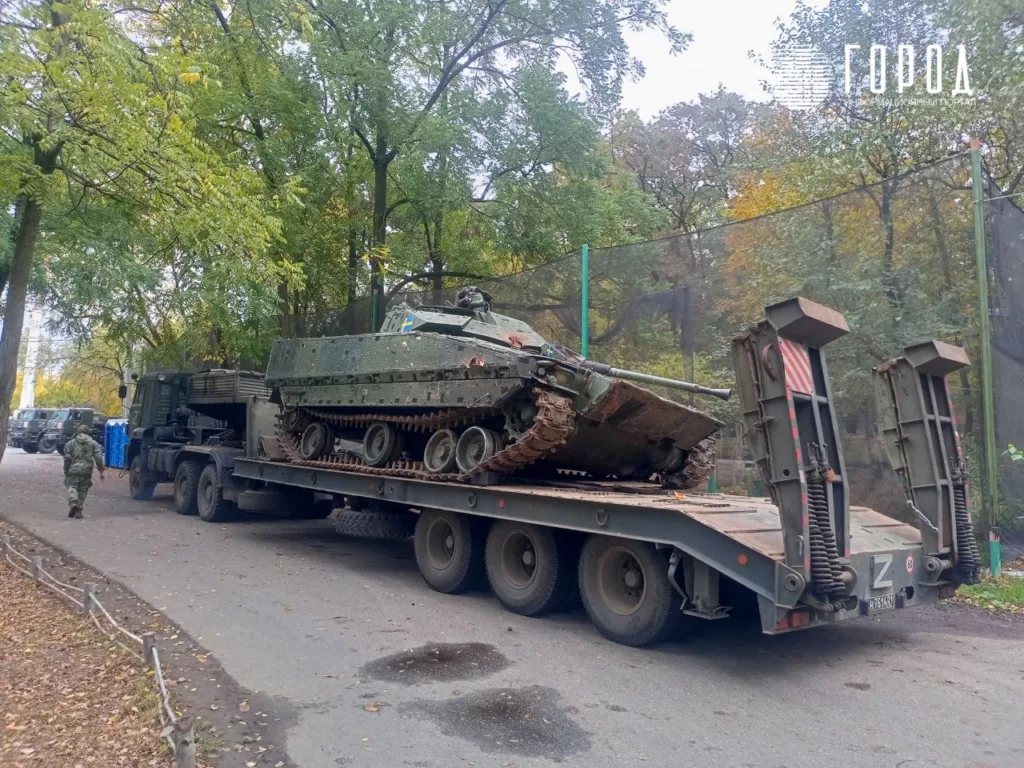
(186, 483)
(47, 445)
(141, 490)
(265, 500)
(530, 573)
(449, 550)
(213, 507)
(626, 591)
(29, 447)
(375, 522)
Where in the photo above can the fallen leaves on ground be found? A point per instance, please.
(68, 696)
(1003, 595)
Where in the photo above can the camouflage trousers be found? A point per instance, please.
(77, 487)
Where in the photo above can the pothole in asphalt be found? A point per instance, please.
(522, 721)
(437, 662)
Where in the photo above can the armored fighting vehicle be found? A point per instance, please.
(464, 393)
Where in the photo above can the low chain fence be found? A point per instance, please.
(177, 731)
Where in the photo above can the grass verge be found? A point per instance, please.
(1002, 594)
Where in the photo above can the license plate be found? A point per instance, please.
(881, 603)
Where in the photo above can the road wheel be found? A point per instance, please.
(449, 550)
(381, 444)
(141, 490)
(213, 507)
(317, 439)
(439, 455)
(29, 447)
(47, 445)
(186, 481)
(476, 445)
(529, 573)
(377, 521)
(626, 591)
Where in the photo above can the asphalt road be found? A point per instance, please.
(381, 671)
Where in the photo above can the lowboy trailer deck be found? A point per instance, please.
(702, 536)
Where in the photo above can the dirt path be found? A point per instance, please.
(68, 695)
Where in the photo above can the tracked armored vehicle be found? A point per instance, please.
(464, 393)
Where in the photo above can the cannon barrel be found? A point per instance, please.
(646, 378)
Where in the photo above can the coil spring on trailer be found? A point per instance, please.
(968, 557)
(826, 571)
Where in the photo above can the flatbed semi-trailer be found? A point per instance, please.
(701, 537)
(641, 557)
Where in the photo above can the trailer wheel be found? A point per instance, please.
(529, 572)
(213, 507)
(186, 481)
(141, 490)
(29, 447)
(449, 550)
(626, 591)
(47, 445)
(375, 522)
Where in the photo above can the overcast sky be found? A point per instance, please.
(724, 31)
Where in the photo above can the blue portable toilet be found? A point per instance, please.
(115, 440)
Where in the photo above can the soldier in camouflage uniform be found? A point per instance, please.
(80, 453)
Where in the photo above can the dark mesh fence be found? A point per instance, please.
(1006, 265)
(897, 258)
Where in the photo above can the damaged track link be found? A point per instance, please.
(551, 427)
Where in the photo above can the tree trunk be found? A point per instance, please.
(885, 212)
(14, 315)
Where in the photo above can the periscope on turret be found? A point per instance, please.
(465, 393)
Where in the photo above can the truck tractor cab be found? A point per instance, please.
(62, 425)
(182, 424)
(27, 429)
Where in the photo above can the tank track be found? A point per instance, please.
(700, 463)
(551, 427)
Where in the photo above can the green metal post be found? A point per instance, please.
(585, 309)
(991, 455)
(995, 552)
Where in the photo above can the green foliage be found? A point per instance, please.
(1002, 594)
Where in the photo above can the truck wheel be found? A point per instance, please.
(47, 445)
(213, 507)
(140, 489)
(186, 481)
(449, 550)
(529, 573)
(626, 591)
(375, 522)
(29, 447)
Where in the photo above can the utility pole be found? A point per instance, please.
(990, 453)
